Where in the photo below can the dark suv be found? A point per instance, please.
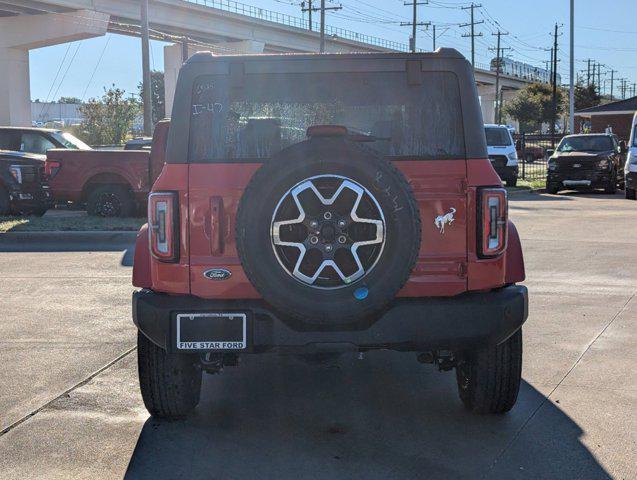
(22, 187)
(587, 161)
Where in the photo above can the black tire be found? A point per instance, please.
(512, 182)
(5, 203)
(170, 383)
(631, 194)
(334, 306)
(611, 186)
(489, 379)
(552, 188)
(110, 201)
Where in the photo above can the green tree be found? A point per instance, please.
(73, 100)
(586, 96)
(533, 106)
(108, 120)
(156, 95)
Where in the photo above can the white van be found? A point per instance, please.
(501, 150)
(630, 168)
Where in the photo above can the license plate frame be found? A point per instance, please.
(203, 323)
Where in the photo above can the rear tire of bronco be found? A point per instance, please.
(512, 182)
(110, 201)
(170, 382)
(489, 379)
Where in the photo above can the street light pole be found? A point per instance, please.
(146, 88)
(571, 89)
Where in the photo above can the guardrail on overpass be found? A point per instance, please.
(291, 21)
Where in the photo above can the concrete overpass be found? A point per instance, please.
(215, 25)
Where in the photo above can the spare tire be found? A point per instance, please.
(328, 232)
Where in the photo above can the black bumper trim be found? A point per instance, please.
(410, 324)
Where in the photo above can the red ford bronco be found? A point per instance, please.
(320, 204)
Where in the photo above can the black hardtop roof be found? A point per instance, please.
(439, 54)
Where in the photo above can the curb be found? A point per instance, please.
(66, 240)
(529, 190)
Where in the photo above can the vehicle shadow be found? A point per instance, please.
(385, 417)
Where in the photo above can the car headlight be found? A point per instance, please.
(552, 165)
(16, 172)
(603, 163)
(512, 156)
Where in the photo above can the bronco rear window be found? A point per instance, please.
(269, 112)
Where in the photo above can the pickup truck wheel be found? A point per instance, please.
(5, 204)
(552, 188)
(110, 201)
(611, 186)
(631, 194)
(170, 383)
(489, 379)
(328, 232)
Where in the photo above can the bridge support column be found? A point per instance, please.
(21, 33)
(487, 102)
(175, 55)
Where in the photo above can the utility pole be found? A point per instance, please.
(473, 35)
(599, 77)
(554, 116)
(434, 28)
(588, 74)
(498, 109)
(623, 88)
(322, 10)
(146, 92)
(414, 23)
(308, 9)
(612, 81)
(571, 87)
(634, 88)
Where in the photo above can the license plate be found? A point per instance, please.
(576, 183)
(211, 331)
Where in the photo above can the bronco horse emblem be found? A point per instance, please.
(446, 219)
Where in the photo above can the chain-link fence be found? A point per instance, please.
(531, 148)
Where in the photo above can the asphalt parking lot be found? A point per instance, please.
(70, 406)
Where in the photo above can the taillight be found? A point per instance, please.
(163, 225)
(51, 168)
(493, 221)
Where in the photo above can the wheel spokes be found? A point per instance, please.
(328, 259)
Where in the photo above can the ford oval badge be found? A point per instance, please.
(217, 274)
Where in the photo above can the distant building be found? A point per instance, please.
(52, 112)
(616, 115)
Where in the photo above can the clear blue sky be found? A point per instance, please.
(606, 31)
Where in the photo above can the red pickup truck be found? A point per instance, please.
(111, 183)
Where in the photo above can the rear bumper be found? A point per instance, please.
(408, 324)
